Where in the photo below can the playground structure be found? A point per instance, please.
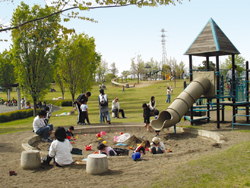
(181, 104)
(210, 42)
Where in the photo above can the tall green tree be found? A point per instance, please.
(78, 63)
(34, 49)
(102, 70)
(59, 82)
(7, 74)
(155, 67)
(137, 66)
(114, 69)
(181, 70)
(239, 61)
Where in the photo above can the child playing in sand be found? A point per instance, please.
(142, 147)
(59, 149)
(69, 131)
(157, 146)
(103, 149)
(146, 115)
(85, 113)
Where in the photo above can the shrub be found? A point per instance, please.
(60, 102)
(14, 115)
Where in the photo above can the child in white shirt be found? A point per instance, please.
(85, 115)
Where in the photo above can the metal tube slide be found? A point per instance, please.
(181, 104)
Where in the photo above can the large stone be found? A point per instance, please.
(30, 159)
(97, 164)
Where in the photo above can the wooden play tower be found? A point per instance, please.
(213, 42)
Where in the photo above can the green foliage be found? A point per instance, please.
(239, 61)
(78, 63)
(102, 70)
(59, 102)
(34, 49)
(204, 66)
(7, 74)
(14, 115)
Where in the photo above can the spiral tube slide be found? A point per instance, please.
(181, 104)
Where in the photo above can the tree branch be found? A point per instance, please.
(88, 8)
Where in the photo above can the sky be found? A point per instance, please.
(125, 32)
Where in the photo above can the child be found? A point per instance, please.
(142, 147)
(172, 89)
(69, 132)
(103, 149)
(85, 113)
(59, 149)
(146, 115)
(157, 147)
(168, 95)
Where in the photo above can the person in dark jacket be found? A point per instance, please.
(146, 115)
(79, 101)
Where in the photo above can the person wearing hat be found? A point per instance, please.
(157, 146)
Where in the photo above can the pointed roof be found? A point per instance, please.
(211, 42)
(147, 66)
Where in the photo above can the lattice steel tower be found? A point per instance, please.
(164, 53)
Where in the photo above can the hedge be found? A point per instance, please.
(59, 102)
(14, 115)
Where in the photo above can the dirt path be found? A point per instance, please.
(124, 172)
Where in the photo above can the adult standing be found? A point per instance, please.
(79, 101)
(116, 108)
(103, 106)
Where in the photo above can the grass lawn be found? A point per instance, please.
(226, 169)
(131, 101)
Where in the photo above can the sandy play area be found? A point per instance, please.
(123, 171)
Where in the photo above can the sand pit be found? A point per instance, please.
(180, 142)
(123, 171)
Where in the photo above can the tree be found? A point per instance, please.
(154, 68)
(78, 62)
(239, 61)
(137, 68)
(181, 69)
(59, 82)
(204, 66)
(34, 49)
(89, 77)
(125, 74)
(7, 74)
(113, 69)
(166, 69)
(102, 70)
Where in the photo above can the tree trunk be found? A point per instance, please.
(73, 99)
(34, 109)
(62, 94)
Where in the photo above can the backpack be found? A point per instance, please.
(103, 102)
(121, 151)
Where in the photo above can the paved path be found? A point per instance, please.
(4, 108)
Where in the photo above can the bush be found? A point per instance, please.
(59, 102)
(14, 115)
